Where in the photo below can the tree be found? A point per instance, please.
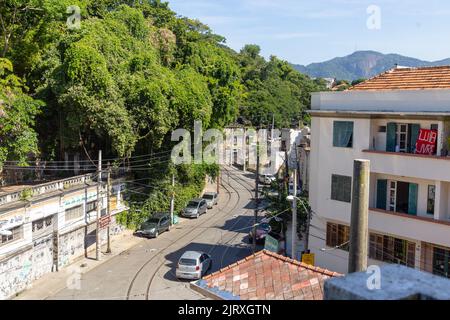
(18, 139)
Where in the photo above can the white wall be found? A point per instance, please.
(327, 160)
(390, 101)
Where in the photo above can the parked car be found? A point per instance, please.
(155, 225)
(267, 178)
(195, 208)
(262, 230)
(211, 199)
(193, 265)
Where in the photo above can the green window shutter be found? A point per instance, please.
(413, 195)
(343, 134)
(381, 194)
(391, 137)
(414, 131)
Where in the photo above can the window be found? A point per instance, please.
(382, 129)
(341, 188)
(91, 206)
(401, 196)
(74, 213)
(16, 234)
(392, 250)
(402, 137)
(338, 236)
(42, 224)
(441, 262)
(343, 134)
(431, 199)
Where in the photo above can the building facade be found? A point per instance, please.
(382, 120)
(47, 227)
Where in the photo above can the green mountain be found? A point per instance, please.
(362, 64)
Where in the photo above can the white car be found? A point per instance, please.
(193, 265)
(267, 178)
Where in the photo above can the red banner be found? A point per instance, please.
(426, 143)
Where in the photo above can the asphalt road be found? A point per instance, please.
(147, 271)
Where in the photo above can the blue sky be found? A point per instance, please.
(306, 31)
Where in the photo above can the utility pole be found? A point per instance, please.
(286, 176)
(256, 196)
(244, 149)
(97, 231)
(108, 206)
(172, 200)
(294, 219)
(360, 216)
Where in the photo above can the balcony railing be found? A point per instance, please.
(46, 188)
(409, 216)
(415, 155)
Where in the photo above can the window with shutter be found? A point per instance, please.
(343, 134)
(341, 188)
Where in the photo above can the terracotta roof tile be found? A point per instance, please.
(402, 78)
(267, 275)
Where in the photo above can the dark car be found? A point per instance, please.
(155, 225)
(195, 208)
(262, 230)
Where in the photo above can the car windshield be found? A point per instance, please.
(149, 224)
(193, 204)
(188, 262)
(208, 196)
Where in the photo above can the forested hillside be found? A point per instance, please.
(132, 73)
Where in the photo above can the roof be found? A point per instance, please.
(405, 78)
(268, 276)
(191, 254)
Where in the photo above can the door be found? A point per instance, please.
(402, 137)
(403, 199)
(412, 199)
(166, 223)
(392, 196)
(381, 194)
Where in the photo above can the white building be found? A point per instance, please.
(409, 206)
(49, 226)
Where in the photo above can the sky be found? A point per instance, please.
(307, 31)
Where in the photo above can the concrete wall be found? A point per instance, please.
(383, 101)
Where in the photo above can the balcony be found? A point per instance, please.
(410, 226)
(430, 167)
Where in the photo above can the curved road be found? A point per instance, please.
(147, 270)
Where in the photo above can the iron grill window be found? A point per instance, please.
(341, 188)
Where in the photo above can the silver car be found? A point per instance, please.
(211, 199)
(193, 265)
(267, 178)
(195, 208)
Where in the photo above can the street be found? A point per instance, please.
(147, 270)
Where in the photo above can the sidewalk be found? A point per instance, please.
(53, 282)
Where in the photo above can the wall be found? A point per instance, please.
(383, 101)
(327, 160)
